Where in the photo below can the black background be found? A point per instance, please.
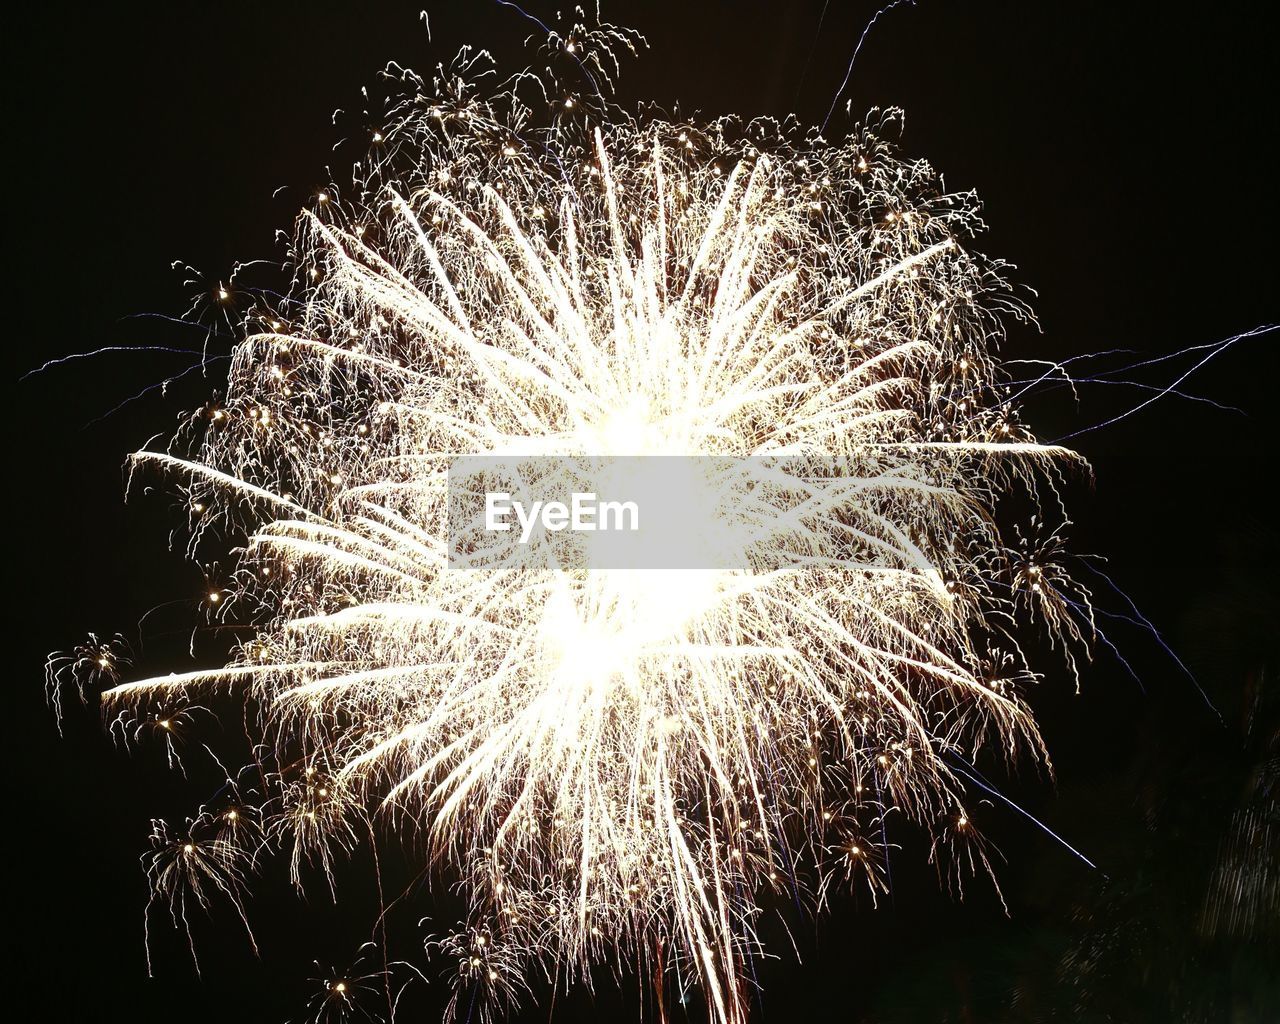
(1124, 155)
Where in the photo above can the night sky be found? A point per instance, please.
(1124, 154)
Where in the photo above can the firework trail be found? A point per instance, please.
(619, 767)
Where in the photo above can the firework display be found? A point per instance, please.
(620, 768)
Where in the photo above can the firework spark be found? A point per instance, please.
(619, 766)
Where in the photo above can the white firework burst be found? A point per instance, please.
(620, 766)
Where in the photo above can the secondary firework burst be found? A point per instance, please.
(620, 768)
